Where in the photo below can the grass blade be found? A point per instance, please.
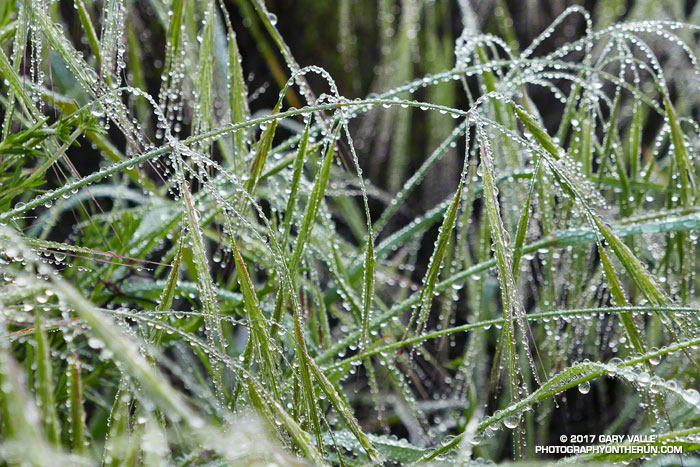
(340, 405)
(368, 290)
(77, 411)
(295, 182)
(258, 323)
(300, 436)
(680, 150)
(314, 204)
(19, 416)
(263, 149)
(420, 315)
(215, 334)
(89, 29)
(45, 386)
(165, 302)
(512, 308)
(117, 446)
(238, 94)
(523, 224)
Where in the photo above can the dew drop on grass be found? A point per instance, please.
(585, 387)
(512, 421)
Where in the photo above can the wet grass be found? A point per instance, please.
(490, 248)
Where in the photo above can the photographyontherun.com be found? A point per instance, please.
(583, 444)
(643, 449)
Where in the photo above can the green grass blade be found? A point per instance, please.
(19, 416)
(334, 397)
(522, 225)
(685, 170)
(20, 39)
(368, 290)
(204, 114)
(420, 315)
(635, 139)
(639, 274)
(295, 183)
(620, 299)
(569, 112)
(263, 149)
(313, 205)
(301, 437)
(165, 301)
(44, 380)
(77, 410)
(89, 29)
(610, 137)
(311, 403)
(238, 94)
(512, 309)
(215, 334)
(117, 447)
(258, 322)
(174, 34)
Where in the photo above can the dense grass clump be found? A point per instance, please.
(460, 251)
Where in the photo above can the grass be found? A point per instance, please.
(459, 251)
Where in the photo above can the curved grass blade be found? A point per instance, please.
(512, 308)
(685, 170)
(523, 224)
(117, 447)
(368, 290)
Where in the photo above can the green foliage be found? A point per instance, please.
(442, 250)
